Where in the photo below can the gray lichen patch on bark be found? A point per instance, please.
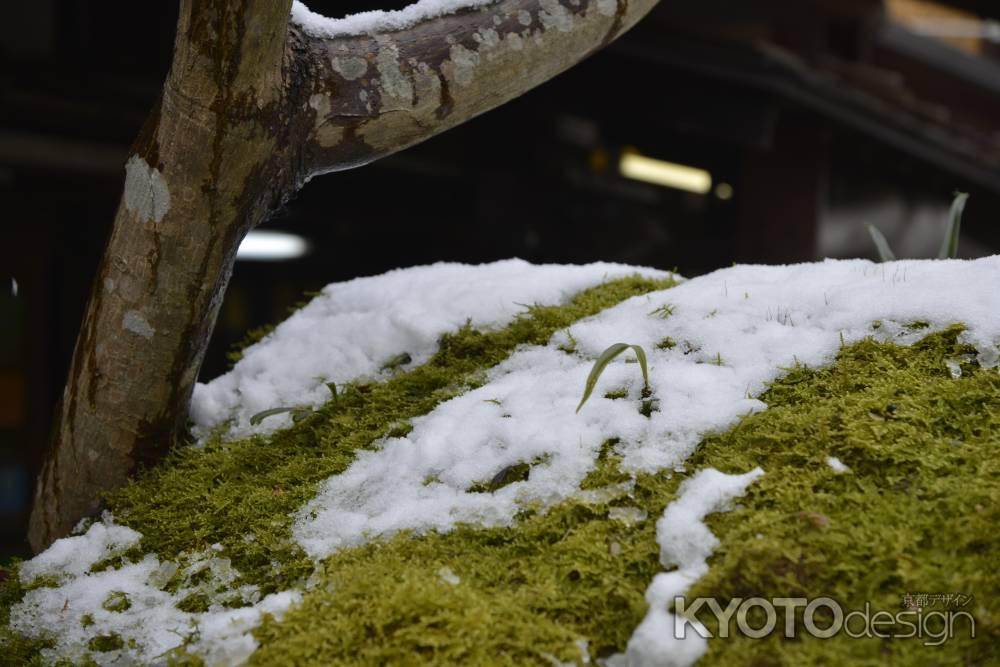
(395, 86)
(607, 7)
(135, 322)
(349, 67)
(146, 193)
(554, 15)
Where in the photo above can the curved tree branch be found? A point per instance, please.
(255, 105)
(377, 94)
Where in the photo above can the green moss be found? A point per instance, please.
(15, 650)
(116, 601)
(194, 603)
(916, 514)
(518, 472)
(397, 361)
(667, 343)
(44, 581)
(105, 643)
(226, 490)
(606, 472)
(524, 592)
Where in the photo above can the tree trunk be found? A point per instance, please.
(253, 107)
(201, 174)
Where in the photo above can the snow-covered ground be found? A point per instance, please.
(129, 602)
(353, 328)
(730, 334)
(713, 344)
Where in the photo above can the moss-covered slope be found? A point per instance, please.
(916, 513)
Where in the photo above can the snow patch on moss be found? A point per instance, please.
(351, 329)
(130, 611)
(761, 320)
(686, 544)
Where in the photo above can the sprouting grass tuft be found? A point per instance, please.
(885, 253)
(602, 362)
(663, 312)
(949, 246)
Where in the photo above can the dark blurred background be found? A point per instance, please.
(805, 119)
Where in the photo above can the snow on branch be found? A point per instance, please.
(383, 81)
(370, 23)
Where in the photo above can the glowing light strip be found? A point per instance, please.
(667, 174)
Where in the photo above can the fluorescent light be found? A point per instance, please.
(667, 174)
(272, 247)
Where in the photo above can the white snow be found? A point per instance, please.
(837, 465)
(353, 328)
(755, 320)
(685, 543)
(152, 621)
(732, 332)
(379, 21)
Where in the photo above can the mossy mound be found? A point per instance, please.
(914, 514)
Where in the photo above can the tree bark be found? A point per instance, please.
(253, 107)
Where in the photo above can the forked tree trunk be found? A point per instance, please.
(254, 106)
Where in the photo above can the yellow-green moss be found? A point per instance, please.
(105, 643)
(243, 495)
(15, 650)
(116, 601)
(916, 514)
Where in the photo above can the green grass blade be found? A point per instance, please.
(602, 363)
(885, 253)
(640, 354)
(949, 246)
(261, 416)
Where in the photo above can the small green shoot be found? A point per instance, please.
(663, 312)
(298, 414)
(569, 347)
(605, 359)
(885, 253)
(949, 246)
